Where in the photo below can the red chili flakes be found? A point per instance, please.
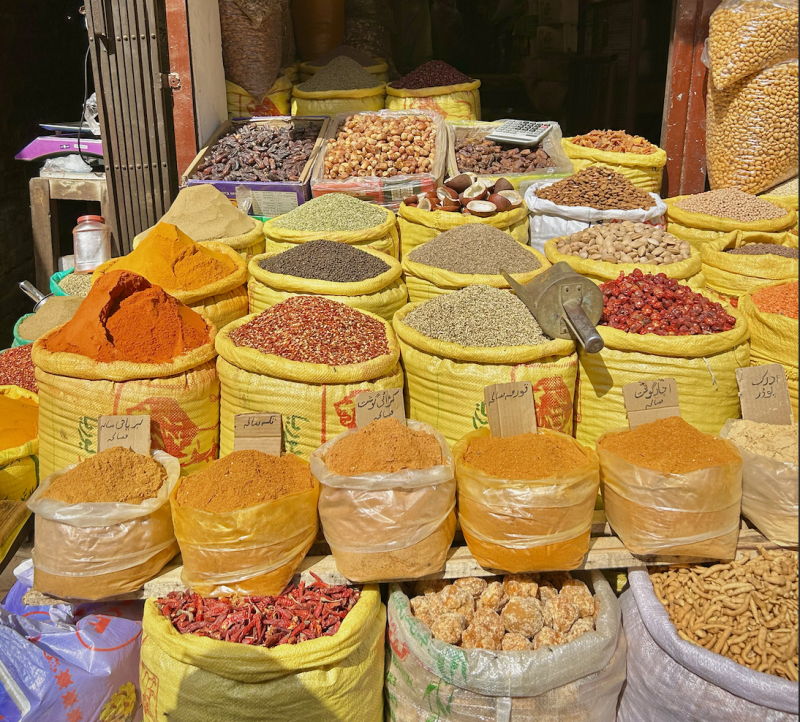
(312, 329)
(16, 368)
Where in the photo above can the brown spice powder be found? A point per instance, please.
(385, 445)
(670, 445)
(242, 479)
(114, 475)
(527, 456)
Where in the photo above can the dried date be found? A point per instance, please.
(478, 156)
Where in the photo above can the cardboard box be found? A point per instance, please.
(553, 12)
(557, 38)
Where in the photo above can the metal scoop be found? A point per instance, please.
(34, 294)
(565, 304)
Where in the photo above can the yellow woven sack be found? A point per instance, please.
(315, 400)
(247, 245)
(644, 171)
(181, 397)
(446, 380)
(418, 227)
(18, 465)
(383, 295)
(331, 679)
(383, 238)
(704, 368)
(331, 102)
(380, 70)
(425, 282)
(243, 105)
(704, 222)
(734, 275)
(773, 340)
(454, 102)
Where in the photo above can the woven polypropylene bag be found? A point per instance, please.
(703, 366)
(18, 465)
(330, 679)
(379, 70)
(315, 400)
(453, 102)
(446, 380)
(331, 102)
(382, 295)
(277, 101)
(246, 245)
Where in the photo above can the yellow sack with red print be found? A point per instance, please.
(243, 105)
(453, 102)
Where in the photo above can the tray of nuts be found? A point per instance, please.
(382, 157)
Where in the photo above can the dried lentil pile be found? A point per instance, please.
(614, 141)
(76, 284)
(782, 300)
(598, 188)
(16, 368)
(764, 249)
(732, 203)
(775, 441)
(341, 73)
(312, 329)
(326, 261)
(522, 613)
(432, 74)
(332, 212)
(477, 316)
(475, 249)
(526, 456)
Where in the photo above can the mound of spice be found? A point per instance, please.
(614, 141)
(172, 260)
(526, 456)
(19, 421)
(643, 303)
(57, 310)
(523, 612)
(312, 329)
(332, 212)
(242, 479)
(263, 621)
(384, 446)
(362, 58)
(115, 475)
(782, 300)
(341, 73)
(433, 74)
(671, 445)
(597, 187)
(764, 249)
(733, 204)
(475, 248)
(204, 214)
(477, 316)
(16, 368)
(326, 261)
(126, 318)
(76, 284)
(775, 441)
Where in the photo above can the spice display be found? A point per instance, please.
(475, 249)
(312, 329)
(385, 445)
(384, 146)
(523, 612)
(433, 74)
(477, 316)
(643, 303)
(464, 194)
(57, 310)
(259, 152)
(598, 188)
(169, 258)
(341, 73)
(614, 141)
(126, 318)
(745, 610)
(478, 155)
(16, 368)
(332, 212)
(669, 445)
(204, 214)
(775, 441)
(625, 242)
(242, 479)
(782, 299)
(76, 284)
(362, 58)
(19, 421)
(326, 261)
(732, 203)
(762, 249)
(525, 456)
(298, 614)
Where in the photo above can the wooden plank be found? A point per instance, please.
(12, 514)
(22, 535)
(45, 243)
(182, 98)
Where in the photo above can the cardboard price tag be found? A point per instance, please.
(130, 432)
(647, 401)
(511, 408)
(374, 405)
(258, 432)
(764, 394)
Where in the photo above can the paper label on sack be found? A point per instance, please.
(131, 432)
(258, 432)
(764, 394)
(511, 408)
(374, 405)
(647, 401)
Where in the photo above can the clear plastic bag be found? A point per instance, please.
(695, 514)
(383, 526)
(526, 525)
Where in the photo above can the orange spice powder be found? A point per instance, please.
(527, 456)
(782, 299)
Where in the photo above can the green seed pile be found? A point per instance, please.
(475, 248)
(326, 261)
(332, 212)
(341, 73)
(477, 316)
(733, 204)
(76, 284)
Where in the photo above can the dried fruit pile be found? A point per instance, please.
(486, 156)
(614, 141)
(433, 74)
(298, 614)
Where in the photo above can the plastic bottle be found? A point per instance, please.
(92, 243)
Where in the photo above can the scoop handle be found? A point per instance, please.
(31, 291)
(582, 328)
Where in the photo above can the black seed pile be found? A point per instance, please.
(763, 249)
(326, 261)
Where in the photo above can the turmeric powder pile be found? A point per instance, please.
(526, 456)
(19, 421)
